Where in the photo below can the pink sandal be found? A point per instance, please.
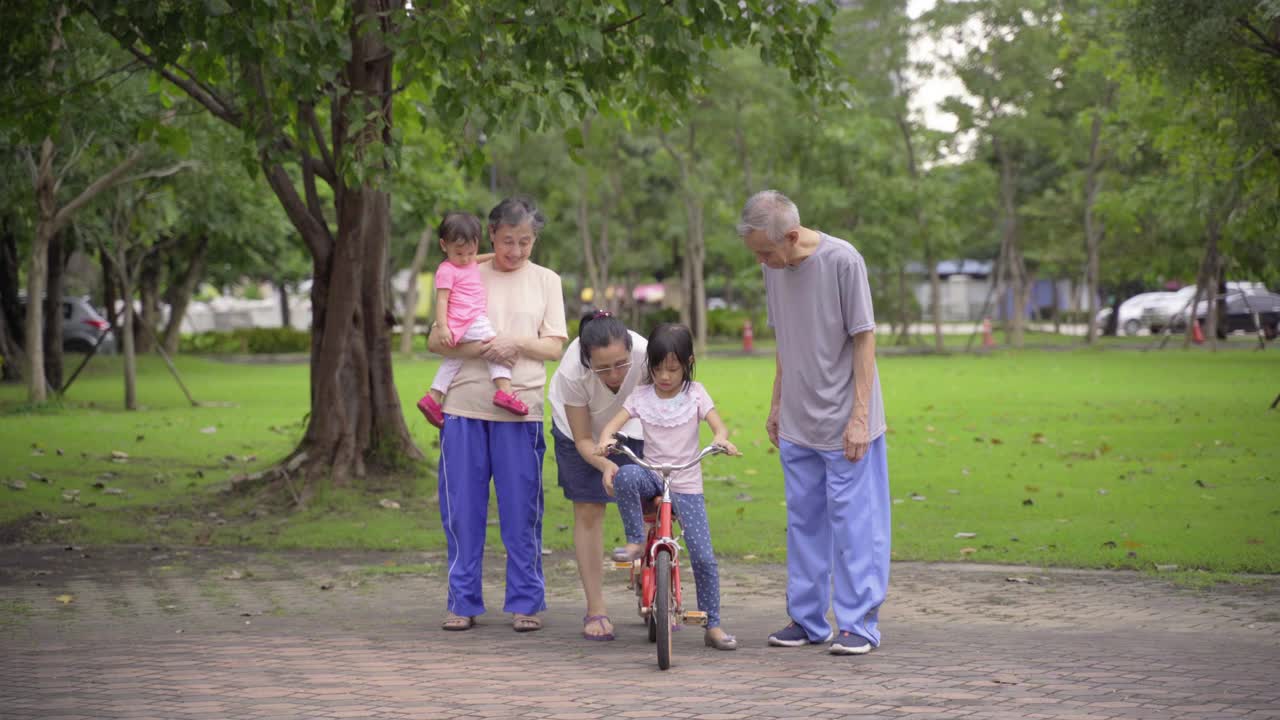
(432, 410)
(510, 403)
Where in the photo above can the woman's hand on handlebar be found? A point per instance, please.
(604, 447)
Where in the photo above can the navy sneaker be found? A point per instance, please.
(794, 636)
(850, 644)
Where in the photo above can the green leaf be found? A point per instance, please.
(573, 138)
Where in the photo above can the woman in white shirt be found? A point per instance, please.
(597, 373)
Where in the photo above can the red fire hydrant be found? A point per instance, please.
(747, 336)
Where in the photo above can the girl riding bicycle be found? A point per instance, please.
(670, 409)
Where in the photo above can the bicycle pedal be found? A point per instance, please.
(621, 565)
(693, 617)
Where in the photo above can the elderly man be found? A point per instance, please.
(827, 421)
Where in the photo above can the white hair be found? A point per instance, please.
(770, 211)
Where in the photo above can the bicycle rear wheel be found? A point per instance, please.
(662, 608)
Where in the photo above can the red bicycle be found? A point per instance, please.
(655, 576)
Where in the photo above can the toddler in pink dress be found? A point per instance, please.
(460, 307)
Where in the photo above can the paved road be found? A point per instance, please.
(171, 633)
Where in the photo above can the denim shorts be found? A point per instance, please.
(580, 481)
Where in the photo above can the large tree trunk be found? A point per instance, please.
(584, 234)
(409, 322)
(1014, 265)
(935, 295)
(1092, 227)
(53, 322)
(904, 306)
(12, 357)
(356, 420)
(125, 278)
(697, 273)
(180, 291)
(930, 260)
(130, 351)
(110, 296)
(149, 298)
(38, 275)
(282, 289)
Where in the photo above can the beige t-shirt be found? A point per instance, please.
(522, 303)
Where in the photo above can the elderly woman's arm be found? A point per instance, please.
(438, 343)
(580, 425)
(505, 349)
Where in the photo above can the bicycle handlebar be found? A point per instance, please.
(664, 469)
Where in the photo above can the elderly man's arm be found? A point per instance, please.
(775, 403)
(856, 433)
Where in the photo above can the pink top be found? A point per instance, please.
(466, 296)
(671, 430)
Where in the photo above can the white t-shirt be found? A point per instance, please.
(576, 385)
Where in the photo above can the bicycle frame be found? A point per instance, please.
(661, 536)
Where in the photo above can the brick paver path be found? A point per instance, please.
(166, 633)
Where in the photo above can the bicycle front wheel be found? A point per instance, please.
(663, 606)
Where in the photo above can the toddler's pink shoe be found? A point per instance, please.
(510, 403)
(432, 410)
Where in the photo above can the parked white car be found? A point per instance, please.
(1130, 322)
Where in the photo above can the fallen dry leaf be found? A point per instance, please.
(966, 535)
(65, 599)
(389, 504)
(119, 455)
(968, 550)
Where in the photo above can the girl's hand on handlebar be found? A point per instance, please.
(728, 447)
(605, 447)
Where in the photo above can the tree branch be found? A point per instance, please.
(1269, 46)
(216, 105)
(31, 165)
(309, 113)
(163, 172)
(102, 183)
(315, 232)
(309, 174)
(618, 26)
(71, 161)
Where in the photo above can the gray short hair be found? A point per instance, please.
(770, 211)
(515, 211)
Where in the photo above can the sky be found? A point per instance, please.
(931, 91)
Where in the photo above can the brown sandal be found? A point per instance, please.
(458, 622)
(526, 623)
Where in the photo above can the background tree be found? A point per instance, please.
(283, 72)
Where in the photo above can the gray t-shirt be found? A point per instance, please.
(816, 308)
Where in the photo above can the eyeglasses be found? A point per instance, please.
(616, 367)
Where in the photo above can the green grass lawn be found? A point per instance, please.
(1076, 458)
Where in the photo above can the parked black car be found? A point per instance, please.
(1241, 307)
